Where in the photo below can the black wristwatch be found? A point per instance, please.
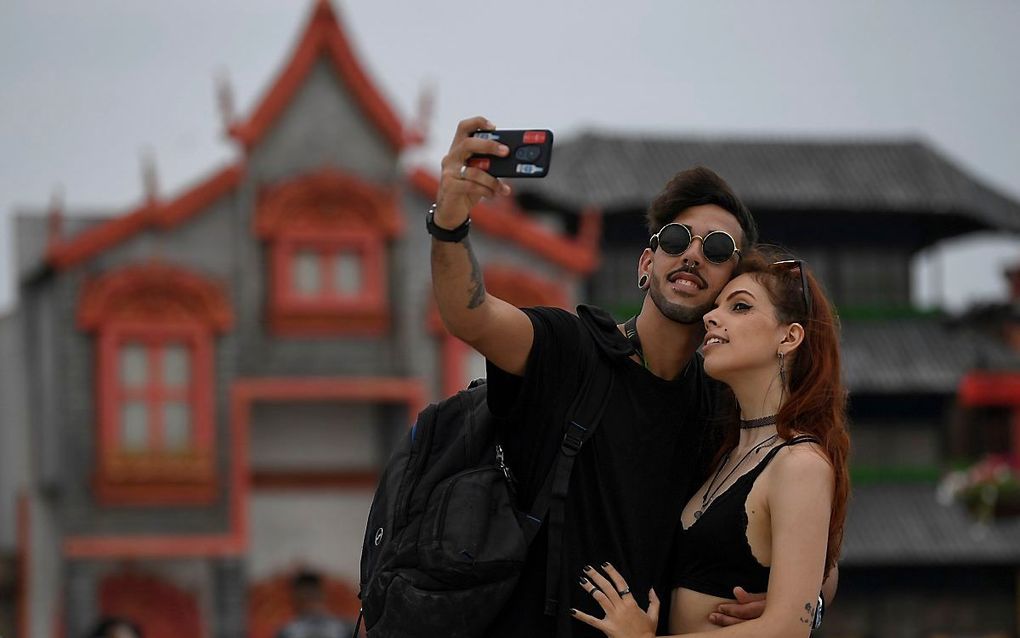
(442, 234)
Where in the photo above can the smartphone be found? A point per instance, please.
(530, 153)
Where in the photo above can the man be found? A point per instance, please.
(313, 619)
(632, 478)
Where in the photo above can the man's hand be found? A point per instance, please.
(462, 186)
(747, 607)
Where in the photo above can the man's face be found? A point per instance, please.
(684, 287)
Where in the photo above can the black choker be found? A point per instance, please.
(758, 423)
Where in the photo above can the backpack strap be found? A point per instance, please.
(583, 418)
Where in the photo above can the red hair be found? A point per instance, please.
(816, 404)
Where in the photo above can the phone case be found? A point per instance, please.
(530, 153)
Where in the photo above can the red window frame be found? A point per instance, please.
(329, 313)
(156, 475)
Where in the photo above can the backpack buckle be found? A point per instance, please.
(573, 438)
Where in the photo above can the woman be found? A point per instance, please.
(771, 514)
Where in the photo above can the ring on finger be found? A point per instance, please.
(623, 592)
(463, 171)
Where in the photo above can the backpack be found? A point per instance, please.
(446, 539)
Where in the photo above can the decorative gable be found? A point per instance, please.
(323, 38)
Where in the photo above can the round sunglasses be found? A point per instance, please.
(674, 239)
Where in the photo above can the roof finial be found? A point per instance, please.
(225, 98)
(418, 131)
(56, 217)
(150, 179)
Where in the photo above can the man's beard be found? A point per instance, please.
(674, 311)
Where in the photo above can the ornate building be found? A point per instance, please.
(217, 377)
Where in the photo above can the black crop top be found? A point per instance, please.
(713, 555)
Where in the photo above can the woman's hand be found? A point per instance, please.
(624, 618)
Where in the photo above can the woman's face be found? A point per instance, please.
(743, 334)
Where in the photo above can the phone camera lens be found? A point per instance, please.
(528, 153)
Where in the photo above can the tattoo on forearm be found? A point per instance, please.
(477, 289)
(810, 611)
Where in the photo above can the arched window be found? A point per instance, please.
(326, 237)
(155, 381)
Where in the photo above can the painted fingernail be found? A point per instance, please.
(573, 612)
(605, 564)
(582, 580)
(587, 568)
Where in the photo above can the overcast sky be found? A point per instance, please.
(87, 85)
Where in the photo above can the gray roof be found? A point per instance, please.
(916, 355)
(906, 525)
(623, 172)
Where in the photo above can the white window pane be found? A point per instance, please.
(347, 273)
(176, 369)
(176, 426)
(134, 426)
(306, 274)
(134, 366)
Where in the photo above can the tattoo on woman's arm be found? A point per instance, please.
(477, 297)
(809, 610)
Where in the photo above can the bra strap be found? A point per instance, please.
(797, 440)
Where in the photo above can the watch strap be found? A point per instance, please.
(443, 234)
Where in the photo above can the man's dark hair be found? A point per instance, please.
(306, 580)
(695, 187)
(105, 627)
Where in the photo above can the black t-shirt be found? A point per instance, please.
(630, 481)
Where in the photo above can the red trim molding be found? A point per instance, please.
(152, 214)
(504, 219)
(990, 388)
(154, 292)
(244, 393)
(323, 37)
(296, 480)
(327, 199)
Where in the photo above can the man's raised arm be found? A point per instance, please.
(499, 331)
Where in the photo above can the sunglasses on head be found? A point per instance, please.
(674, 239)
(797, 266)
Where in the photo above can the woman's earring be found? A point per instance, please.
(642, 281)
(782, 367)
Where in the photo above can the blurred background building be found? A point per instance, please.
(197, 395)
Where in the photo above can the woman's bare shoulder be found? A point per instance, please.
(804, 461)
